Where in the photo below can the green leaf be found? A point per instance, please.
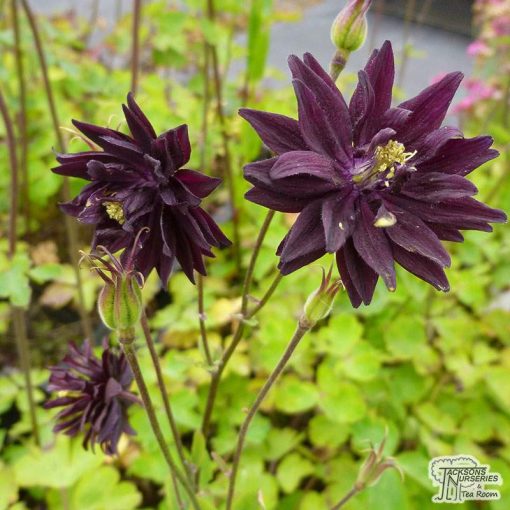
(14, 283)
(294, 396)
(101, 489)
(326, 433)
(44, 467)
(280, 441)
(404, 335)
(291, 470)
(259, 25)
(8, 487)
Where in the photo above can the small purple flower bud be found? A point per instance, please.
(320, 302)
(349, 30)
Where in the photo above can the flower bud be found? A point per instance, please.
(374, 466)
(320, 302)
(349, 30)
(120, 303)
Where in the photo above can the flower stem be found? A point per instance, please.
(135, 51)
(216, 375)
(164, 393)
(71, 231)
(201, 320)
(18, 314)
(218, 89)
(302, 328)
(347, 497)
(22, 120)
(20, 332)
(127, 342)
(267, 295)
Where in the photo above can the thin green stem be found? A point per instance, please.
(164, 393)
(71, 230)
(135, 50)
(302, 328)
(347, 497)
(218, 89)
(205, 107)
(216, 375)
(20, 332)
(22, 118)
(408, 16)
(18, 315)
(127, 343)
(201, 320)
(13, 165)
(267, 295)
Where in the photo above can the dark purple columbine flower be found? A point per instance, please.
(373, 183)
(137, 181)
(96, 396)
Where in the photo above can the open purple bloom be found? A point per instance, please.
(95, 396)
(137, 181)
(373, 183)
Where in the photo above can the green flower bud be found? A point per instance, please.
(374, 466)
(120, 303)
(320, 302)
(349, 30)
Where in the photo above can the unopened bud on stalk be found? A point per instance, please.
(374, 466)
(349, 30)
(320, 302)
(120, 302)
(348, 33)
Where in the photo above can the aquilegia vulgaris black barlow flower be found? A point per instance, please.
(137, 181)
(95, 396)
(374, 184)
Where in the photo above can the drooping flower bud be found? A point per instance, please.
(320, 302)
(120, 302)
(374, 466)
(349, 30)
(348, 33)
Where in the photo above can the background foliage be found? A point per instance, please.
(431, 369)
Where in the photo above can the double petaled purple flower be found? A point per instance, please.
(373, 183)
(137, 181)
(95, 396)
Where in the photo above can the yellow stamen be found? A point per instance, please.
(115, 211)
(389, 155)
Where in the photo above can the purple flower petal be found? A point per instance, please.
(338, 220)
(429, 108)
(373, 246)
(318, 129)
(305, 242)
(280, 133)
(422, 267)
(357, 276)
(460, 156)
(435, 187)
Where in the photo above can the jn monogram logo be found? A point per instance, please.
(462, 478)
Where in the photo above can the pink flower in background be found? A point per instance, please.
(501, 26)
(478, 48)
(477, 91)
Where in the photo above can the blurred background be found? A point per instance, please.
(431, 369)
